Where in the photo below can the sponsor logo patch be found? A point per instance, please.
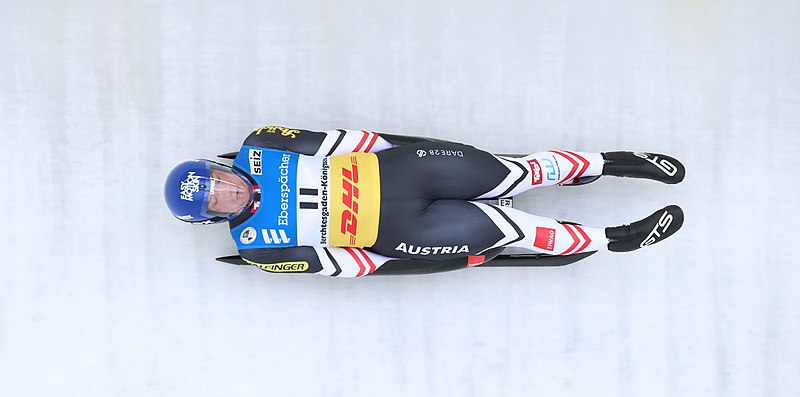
(349, 199)
(283, 214)
(440, 152)
(272, 129)
(664, 165)
(272, 236)
(655, 234)
(545, 238)
(248, 235)
(323, 183)
(284, 267)
(536, 172)
(415, 250)
(255, 162)
(550, 169)
(190, 186)
(354, 200)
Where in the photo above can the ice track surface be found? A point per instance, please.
(102, 293)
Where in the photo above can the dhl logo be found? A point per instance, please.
(355, 200)
(349, 198)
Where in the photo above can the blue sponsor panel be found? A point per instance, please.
(274, 223)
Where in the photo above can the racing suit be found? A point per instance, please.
(350, 203)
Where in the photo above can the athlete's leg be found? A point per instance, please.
(438, 170)
(541, 234)
(434, 229)
(442, 229)
(419, 219)
(548, 168)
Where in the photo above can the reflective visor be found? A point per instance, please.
(228, 193)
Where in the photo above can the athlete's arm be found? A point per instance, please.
(351, 262)
(326, 143)
(327, 261)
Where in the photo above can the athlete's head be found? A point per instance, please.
(203, 191)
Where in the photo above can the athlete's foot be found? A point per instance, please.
(662, 224)
(653, 166)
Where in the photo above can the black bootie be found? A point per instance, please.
(657, 167)
(656, 227)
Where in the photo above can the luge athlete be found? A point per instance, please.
(350, 203)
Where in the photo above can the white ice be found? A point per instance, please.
(103, 293)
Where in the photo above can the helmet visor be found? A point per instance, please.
(228, 193)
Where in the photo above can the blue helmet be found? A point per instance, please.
(190, 185)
